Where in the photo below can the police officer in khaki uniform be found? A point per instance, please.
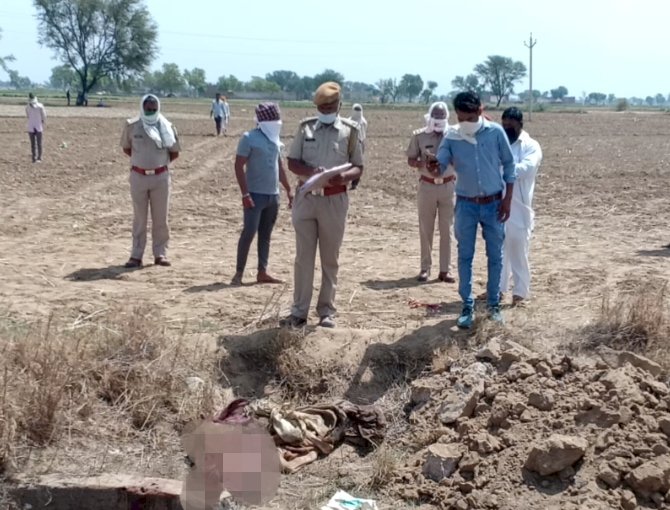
(319, 216)
(152, 143)
(435, 195)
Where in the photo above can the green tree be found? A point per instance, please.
(411, 86)
(469, 82)
(287, 80)
(17, 81)
(429, 91)
(258, 84)
(385, 87)
(5, 59)
(559, 92)
(61, 76)
(98, 38)
(597, 98)
(229, 85)
(328, 75)
(660, 99)
(500, 74)
(537, 94)
(169, 79)
(196, 79)
(304, 88)
(649, 100)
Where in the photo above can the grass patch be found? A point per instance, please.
(637, 321)
(55, 377)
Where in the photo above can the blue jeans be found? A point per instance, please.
(261, 218)
(467, 216)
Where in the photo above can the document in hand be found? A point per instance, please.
(320, 180)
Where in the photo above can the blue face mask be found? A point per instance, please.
(327, 118)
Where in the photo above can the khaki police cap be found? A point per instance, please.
(327, 93)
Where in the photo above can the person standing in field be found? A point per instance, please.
(485, 173)
(152, 143)
(37, 117)
(435, 195)
(67, 94)
(220, 112)
(518, 230)
(319, 216)
(259, 152)
(357, 116)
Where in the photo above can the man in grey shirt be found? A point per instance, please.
(259, 150)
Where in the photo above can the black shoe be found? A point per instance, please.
(293, 322)
(423, 276)
(132, 263)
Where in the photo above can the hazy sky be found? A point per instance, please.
(610, 46)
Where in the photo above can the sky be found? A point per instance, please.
(609, 46)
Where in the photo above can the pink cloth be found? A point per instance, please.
(36, 117)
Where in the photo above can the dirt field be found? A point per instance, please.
(602, 221)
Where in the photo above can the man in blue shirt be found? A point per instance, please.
(259, 150)
(485, 173)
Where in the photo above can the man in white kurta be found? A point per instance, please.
(518, 229)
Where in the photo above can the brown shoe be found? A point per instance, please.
(132, 263)
(266, 278)
(518, 301)
(162, 261)
(446, 277)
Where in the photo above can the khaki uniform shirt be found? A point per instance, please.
(329, 145)
(420, 144)
(145, 154)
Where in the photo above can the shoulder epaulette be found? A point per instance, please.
(308, 119)
(350, 123)
(419, 131)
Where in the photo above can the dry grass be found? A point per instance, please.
(385, 464)
(57, 376)
(637, 321)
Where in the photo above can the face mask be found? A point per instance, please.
(470, 128)
(271, 129)
(438, 124)
(512, 135)
(327, 118)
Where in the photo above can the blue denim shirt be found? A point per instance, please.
(262, 162)
(478, 166)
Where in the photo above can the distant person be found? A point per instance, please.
(357, 116)
(152, 143)
(67, 94)
(319, 216)
(259, 170)
(527, 158)
(37, 117)
(435, 197)
(220, 112)
(485, 173)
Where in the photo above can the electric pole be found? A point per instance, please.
(530, 45)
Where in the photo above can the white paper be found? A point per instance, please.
(320, 180)
(343, 501)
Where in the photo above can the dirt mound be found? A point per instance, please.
(516, 429)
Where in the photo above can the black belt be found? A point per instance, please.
(482, 200)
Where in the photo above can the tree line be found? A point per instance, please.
(109, 45)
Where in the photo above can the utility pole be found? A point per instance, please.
(530, 45)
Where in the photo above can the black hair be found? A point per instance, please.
(467, 102)
(513, 113)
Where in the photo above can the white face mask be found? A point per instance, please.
(470, 128)
(271, 129)
(438, 125)
(327, 118)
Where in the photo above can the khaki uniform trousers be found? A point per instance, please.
(436, 199)
(154, 191)
(317, 220)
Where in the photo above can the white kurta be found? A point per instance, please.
(527, 156)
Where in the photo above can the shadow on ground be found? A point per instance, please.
(100, 273)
